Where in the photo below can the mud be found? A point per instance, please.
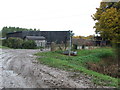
(20, 69)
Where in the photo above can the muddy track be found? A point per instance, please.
(20, 69)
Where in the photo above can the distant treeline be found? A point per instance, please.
(14, 29)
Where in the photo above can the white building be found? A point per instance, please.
(40, 40)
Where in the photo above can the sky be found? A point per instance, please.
(50, 15)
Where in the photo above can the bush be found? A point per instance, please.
(5, 42)
(13, 42)
(18, 43)
(29, 44)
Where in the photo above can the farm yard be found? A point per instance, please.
(24, 64)
(20, 69)
(60, 44)
(37, 63)
(23, 68)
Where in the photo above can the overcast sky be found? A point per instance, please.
(50, 15)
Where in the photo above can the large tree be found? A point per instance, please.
(107, 24)
(108, 20)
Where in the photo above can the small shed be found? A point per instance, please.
(40, 40)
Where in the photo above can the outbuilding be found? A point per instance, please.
(40, 40)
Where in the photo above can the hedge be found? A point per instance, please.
(18, 43)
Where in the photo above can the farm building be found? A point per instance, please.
(79, 42)
(96, 41)
(40, 40)
(42, 36)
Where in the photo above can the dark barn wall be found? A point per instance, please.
(51, 36)
(56, 36)
(15, 34)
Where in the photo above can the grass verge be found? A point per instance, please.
(78, 63)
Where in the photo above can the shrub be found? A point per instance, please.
(13, 42)
(4, 42)
(29, 44)
(18, 43)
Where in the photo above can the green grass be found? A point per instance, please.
(78, 63)
(4, 47)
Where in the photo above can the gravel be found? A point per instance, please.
(20, 69)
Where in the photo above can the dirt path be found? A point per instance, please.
(19, 69)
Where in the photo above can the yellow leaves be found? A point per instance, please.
(109, 22)
(83, 37)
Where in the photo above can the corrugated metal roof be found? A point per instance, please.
(35, 37)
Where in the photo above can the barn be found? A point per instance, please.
(49, 36)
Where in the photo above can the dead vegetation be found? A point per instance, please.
(108, 66)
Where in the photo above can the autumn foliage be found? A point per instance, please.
(108, 21)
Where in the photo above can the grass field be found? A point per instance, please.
(79, 63)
